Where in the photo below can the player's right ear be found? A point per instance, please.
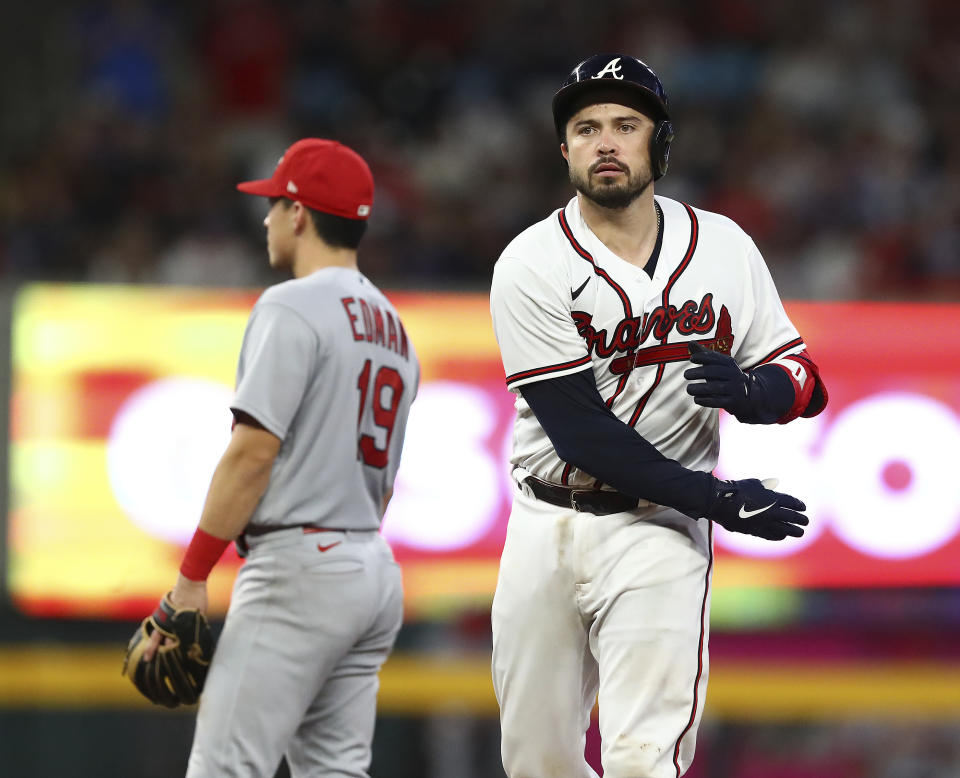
(299, 217)
(565, 151)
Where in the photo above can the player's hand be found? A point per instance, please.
(185, 594)
(189, 594)
(720, 381)
(751, 507)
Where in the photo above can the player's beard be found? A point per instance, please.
(608, 193)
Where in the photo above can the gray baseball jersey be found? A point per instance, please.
(326, 366)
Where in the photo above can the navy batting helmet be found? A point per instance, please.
(624, 72)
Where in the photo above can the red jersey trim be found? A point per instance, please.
(628, 311)
(778, 352)
(568, 233)
(685, 262)
(624, 298)
(691, 248)
(546, 370)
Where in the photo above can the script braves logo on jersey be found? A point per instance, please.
(630, 333)
(612, 68)
(690, 318)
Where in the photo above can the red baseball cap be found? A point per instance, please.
(323, 175)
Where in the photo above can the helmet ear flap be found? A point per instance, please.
(660, 147)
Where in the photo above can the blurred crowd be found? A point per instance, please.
(829, 129)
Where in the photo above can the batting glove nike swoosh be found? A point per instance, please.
(752, 507)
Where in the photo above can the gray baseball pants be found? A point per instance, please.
(312, 618)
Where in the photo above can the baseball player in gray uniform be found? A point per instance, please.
(325, 381)
(625, 320)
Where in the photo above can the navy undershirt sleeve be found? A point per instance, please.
(585, 433)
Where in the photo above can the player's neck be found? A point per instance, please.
(630, 233)
(315, 255)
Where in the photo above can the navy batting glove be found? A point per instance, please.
(751, 507)
(721, 382)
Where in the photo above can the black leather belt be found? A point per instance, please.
(598, 501)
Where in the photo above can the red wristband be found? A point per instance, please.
(202, 554)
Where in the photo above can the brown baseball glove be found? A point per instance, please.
(177, 671)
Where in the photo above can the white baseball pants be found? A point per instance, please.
(614, 604)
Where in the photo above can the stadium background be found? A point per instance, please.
(829, 130)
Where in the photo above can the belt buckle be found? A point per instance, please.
(576, 505)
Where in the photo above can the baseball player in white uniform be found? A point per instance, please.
(624, 322)
(325, 381)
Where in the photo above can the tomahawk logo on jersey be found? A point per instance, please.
(634, 330)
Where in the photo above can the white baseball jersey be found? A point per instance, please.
(327, 367)
(616, 607)
(562, 301)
